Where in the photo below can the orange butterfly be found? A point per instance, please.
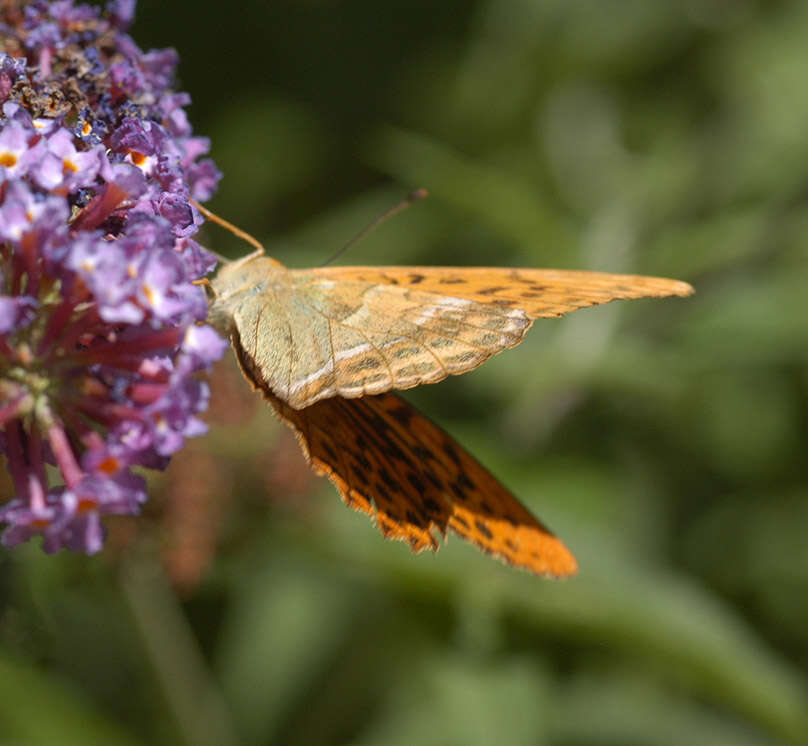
(326, 345)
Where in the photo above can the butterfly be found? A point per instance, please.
(327, 347)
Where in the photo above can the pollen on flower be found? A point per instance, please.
(109, 466)
(86, 505)
(150, 294)
(97, 270)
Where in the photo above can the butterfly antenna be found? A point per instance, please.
(259, 249)
(412, 197)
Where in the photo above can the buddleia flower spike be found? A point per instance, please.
(100, 334)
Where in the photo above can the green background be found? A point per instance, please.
(663, 440)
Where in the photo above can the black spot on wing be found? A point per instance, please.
(402, 415)
(464, 481)
(432, 506)
(361, 474)
(329, 451)
(380, 493)
(450, 451)
(417, 483)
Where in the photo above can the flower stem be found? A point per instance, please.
(71, 471)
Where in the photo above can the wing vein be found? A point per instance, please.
(333, 354)
(427, 329)
(292, 350)
(488, 307)
(381, 355)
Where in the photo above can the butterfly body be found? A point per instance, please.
(324, 346)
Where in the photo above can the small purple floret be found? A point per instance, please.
(16, 312)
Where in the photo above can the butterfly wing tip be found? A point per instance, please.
(568, 569)
(557, 571)
(683, 289)
(555, 562)
(565, 565)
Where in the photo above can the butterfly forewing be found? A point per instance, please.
(354, 331)
(388, 460)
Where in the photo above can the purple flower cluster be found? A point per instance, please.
(100, 319)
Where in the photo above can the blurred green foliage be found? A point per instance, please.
(663, 440)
